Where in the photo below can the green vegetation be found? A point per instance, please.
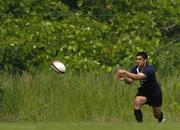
(93, 38)
(79, 97)
(80, 34)
(89, 126)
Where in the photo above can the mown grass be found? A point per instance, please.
(89, 126)
(79, 97)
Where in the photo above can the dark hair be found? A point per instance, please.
(143, 54)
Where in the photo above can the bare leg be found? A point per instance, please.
(157, 113)
(138, 102)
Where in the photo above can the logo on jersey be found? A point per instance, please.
(142, 80)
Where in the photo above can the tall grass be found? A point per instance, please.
(92, 96)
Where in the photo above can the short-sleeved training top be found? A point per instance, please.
(149, 84)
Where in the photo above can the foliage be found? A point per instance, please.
(83, 34)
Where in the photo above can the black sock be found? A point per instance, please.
(161, 117)
(138, 115)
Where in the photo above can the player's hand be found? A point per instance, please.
(121, 79)
(121, 71)
(120, 76)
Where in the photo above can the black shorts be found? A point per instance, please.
(153, 99)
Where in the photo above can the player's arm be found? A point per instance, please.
(128, 80)
(124, 78)
(132, 76)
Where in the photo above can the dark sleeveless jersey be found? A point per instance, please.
(149, 85)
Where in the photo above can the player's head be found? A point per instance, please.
(142, 54)
(141, 59)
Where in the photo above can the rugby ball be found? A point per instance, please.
(58, 66)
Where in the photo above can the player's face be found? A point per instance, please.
(140, 61)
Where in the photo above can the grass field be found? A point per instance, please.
(90, 126)
(79, 97)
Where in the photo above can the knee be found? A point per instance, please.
(139, 100)
(137, 104)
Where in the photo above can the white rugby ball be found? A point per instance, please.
(58, 66)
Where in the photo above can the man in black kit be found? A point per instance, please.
(149, 92)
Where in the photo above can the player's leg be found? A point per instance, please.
(158, 114)
(156, 101)
(138, 102)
